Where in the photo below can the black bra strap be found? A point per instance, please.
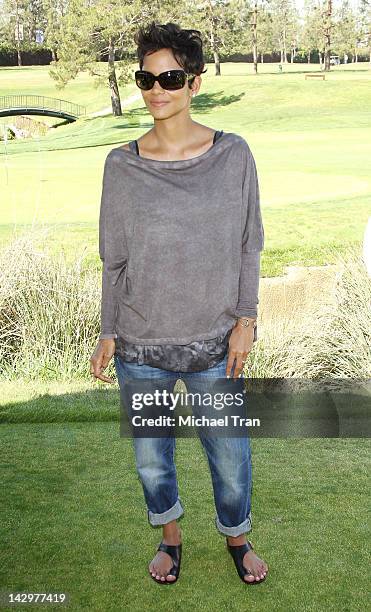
(134, 143)
(217, 135)
(133, 146)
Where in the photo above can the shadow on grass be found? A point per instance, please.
(91, 405)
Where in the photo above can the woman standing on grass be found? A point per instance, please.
(180, 241)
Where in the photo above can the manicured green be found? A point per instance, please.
(311, 141)
(36, 80)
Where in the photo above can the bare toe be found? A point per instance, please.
(249, 578)
(170, 578)
(261, 571)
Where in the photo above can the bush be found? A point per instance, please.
(50, 317)
(335, 342)
(49, 313)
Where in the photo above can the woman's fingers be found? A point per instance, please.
(239, 359)
(103, 377)
(101, 358)
(230, 362)
(240, 345)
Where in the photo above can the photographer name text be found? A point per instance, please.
(192, 421)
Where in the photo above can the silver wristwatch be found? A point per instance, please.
(247, 323)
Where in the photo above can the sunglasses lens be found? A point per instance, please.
(144, 80)
(173, 79)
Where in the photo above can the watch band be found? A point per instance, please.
(247, 322)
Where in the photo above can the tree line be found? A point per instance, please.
(97, 35)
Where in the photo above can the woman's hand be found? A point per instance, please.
(240, 344)
(101, 357)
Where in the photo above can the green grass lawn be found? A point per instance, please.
(311, 141)
(74, 521)
(73, 517)
(36, 80)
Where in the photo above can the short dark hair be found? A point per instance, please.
(186, 45)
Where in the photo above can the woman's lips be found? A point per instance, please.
(154, 103)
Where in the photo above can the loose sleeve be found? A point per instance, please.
(112, 248)
(252, 242)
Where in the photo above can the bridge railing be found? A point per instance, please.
(44, 102)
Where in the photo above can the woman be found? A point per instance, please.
(180, 240)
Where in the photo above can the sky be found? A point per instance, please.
(335, 3)
(299, 3)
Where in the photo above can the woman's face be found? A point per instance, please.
(175, 101)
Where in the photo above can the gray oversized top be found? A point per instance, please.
(175, 239)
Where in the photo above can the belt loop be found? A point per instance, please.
(141, 355)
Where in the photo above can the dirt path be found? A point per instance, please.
(108, 109)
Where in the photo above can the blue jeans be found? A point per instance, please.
(229, 458)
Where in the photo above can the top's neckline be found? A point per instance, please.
(164, 163)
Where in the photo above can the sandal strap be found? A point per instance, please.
(243, 547)
(238, 553)
(175, 552)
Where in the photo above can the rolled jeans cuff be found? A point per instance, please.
(234, 531)
(173, 513)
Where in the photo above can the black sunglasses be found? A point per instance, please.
(171, 79)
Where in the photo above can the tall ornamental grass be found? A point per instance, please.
(333, 341)
(50, 311)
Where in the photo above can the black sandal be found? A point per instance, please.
(175, 553)
(238, 553)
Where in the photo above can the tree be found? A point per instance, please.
(265, 36)
(90, 33)
(55, 11)
(285, 25)
(220, 24)
(15, 26)
(325, 24)
(35, 17)
(345, 35)
(243, 26)
(327, 27)
(311, 34)
(364, 26)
